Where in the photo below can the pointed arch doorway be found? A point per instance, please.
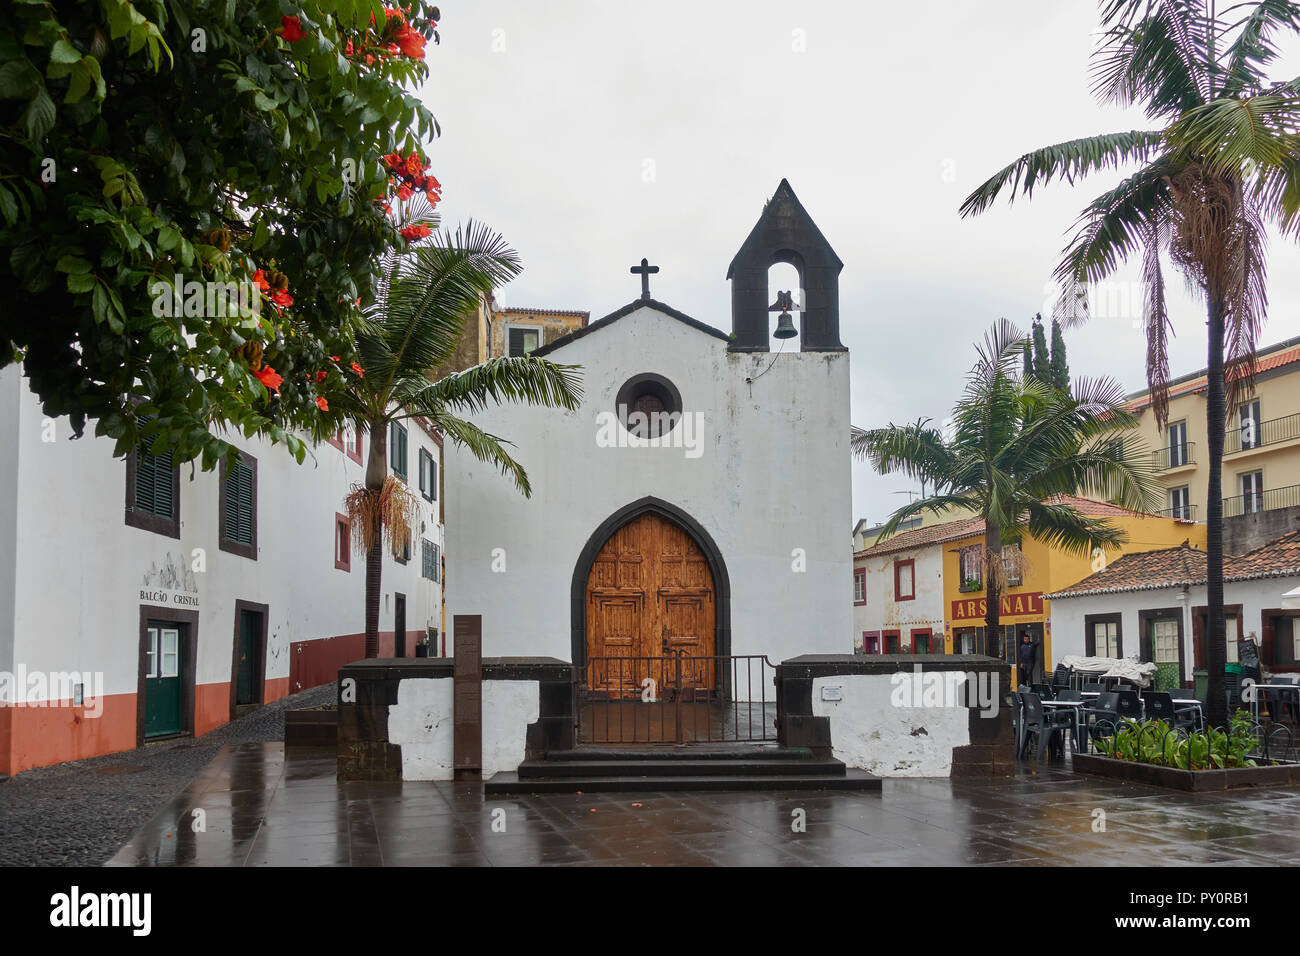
(651, 602)
(650, 597)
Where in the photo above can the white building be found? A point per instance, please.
(898, 602)
(140, 600)
(1153, 607)
(721, 533)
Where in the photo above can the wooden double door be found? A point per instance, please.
(651, 609)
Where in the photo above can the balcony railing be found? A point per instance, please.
(1181, 512)
(1174, 456)
(1270, 500)
(1271, 432)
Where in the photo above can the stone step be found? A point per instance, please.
(692, 752)
(536, 769)
(509, 782)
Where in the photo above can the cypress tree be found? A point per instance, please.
(1042, 361)
(1060, 367)
(1028, 369)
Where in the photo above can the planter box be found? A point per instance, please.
(1197, 781)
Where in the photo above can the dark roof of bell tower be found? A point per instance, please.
(785, 224)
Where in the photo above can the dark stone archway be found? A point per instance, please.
(582, 571)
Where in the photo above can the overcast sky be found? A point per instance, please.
(594, 133)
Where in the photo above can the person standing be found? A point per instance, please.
(1026, 658)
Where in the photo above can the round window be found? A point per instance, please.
(649, 405)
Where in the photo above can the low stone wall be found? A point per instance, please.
(399, 726)
(900, 715)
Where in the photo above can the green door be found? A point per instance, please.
(162, 685)
(250, 630)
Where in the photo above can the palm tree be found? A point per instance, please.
(1016, 445)
(1224, 162)
(413, 327)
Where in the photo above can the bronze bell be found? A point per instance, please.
(784, 323)
(784, 327)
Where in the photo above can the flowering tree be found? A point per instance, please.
(193, 201)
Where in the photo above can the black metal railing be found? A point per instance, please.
(677, 699)
(1181, 512)
(1247, 435)
(1174, 456)
(1287, 496)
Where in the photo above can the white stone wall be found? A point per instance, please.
(870, 732)
(769, 480)
(421, 724)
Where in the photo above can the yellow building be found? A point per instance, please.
(1032, 570)
(493, 331)
(1261, 454)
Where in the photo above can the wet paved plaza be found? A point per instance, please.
(263, 808)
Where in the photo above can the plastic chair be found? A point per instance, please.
(1037, 720)
(1160, 706)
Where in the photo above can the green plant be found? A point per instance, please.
(1154, 742)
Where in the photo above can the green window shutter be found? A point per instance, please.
(239, 504)
(433, 481)
(153, 482)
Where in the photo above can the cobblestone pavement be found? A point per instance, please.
(80, 813)
(265, 807)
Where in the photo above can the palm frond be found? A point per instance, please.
(526, 379)
(1067, 529)
(485, 447)
(1153, 53)
(1069, 161)
(1253, 48)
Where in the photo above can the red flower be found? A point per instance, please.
(417, 231)
(410, 42)
(291, 29)
(259, 280)
(323, 405)
(320, 377)
(282, 298)
(405, 192)
(334, 359)
(268, 378)
(361, 373)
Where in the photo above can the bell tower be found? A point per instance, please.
(785, 233)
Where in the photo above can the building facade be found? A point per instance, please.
(924, 590)
(140, 599)
(493, 331)
(1153, 607)
(1261, 454)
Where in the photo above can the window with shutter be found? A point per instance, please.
(237, 520)
(152, 491)
(523, 341)
(397, 450)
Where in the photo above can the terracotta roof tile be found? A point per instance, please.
(966, 527)
(1265, 361)
(1185, 566)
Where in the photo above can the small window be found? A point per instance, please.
(428, 476)
(1180, 503)
(237, 507)
(397, 450)
(1252, 492)
(403, 555)
(904, 580)
(428, 560)
(648, 405)
(1013, 565)
(1249, 428)
(342, 543)
(972, 571)
(524, 340)
(859, 586)
(1178, 444)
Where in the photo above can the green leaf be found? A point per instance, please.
(39, 116)
(74, 265)
(263, 102)
(81, 283)
(168, 237)
(18, 78)
(64, 52)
